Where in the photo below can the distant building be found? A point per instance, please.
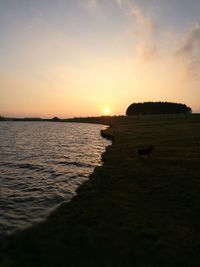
(55, 119)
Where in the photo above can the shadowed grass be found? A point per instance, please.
(133, 211)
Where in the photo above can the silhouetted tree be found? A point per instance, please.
(157, 108)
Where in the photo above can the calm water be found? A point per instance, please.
(41, 166)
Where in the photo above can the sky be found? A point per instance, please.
(70, 58)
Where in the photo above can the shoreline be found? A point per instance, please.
(6, 238)
(131, 211)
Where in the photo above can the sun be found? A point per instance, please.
(106, 111)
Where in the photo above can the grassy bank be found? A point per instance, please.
(133, 211)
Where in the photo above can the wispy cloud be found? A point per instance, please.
(91, 4)
(142, 21)
(147, 51)
(184, 50)
(143, 29)
(149, 43)
(188, 49)
(119, 2)
(190, 41)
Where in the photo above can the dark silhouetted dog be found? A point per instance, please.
(146, 151)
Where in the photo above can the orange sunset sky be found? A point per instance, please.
(71, 58)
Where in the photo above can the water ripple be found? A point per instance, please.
(41, 165)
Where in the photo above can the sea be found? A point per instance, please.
(41, 166)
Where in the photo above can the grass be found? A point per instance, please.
(133, 211)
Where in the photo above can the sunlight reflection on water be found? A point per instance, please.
(41, 166)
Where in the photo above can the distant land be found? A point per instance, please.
(135, 109)
(55, 119)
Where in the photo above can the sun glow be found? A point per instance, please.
(106, 111)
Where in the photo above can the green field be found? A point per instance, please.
(133, 211)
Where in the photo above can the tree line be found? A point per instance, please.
(157, 108)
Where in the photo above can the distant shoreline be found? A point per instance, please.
(95, 119)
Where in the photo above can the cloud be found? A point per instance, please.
(141, 19)
(147, 52)
(143, 22)
(188, 49)
(119, 2)
(91, 4)
(150, 44)
(190, 41)
(143, 29)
